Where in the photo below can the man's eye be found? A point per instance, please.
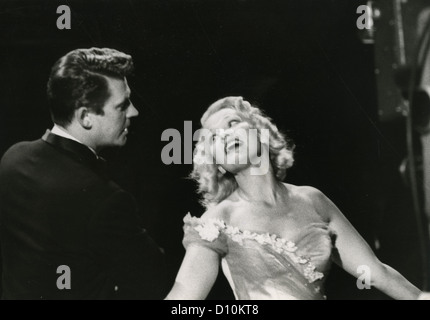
(125, 105)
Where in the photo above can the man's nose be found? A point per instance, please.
(132, 111)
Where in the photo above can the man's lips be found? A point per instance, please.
(125, 130)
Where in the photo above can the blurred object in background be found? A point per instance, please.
(402, 69)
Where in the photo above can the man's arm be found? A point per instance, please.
(125, 251)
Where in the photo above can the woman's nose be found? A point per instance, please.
(225, 133)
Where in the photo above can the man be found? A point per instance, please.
(67, 231)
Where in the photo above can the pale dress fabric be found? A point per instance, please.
(264, 266)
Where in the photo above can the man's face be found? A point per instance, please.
(111, 127)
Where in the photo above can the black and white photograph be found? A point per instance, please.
(214, 150)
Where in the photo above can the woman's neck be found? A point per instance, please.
(259, 188)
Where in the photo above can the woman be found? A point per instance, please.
(274, 240)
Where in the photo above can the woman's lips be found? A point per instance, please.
(233, 144)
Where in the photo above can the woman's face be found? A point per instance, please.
(233, 143)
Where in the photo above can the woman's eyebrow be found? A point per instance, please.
(231, 117)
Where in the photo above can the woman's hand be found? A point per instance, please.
(424, 296)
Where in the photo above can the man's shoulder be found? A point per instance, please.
(48, 171)
(22, 148)
(25, 145)
(38, 158)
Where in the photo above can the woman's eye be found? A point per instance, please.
(232, 123)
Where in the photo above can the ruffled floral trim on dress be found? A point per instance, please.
(210, 230)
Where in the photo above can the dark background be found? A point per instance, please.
(301, 61)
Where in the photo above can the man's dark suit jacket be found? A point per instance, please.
(58, 208)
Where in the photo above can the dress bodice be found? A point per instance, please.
(261, 266)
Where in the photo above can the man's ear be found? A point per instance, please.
(83, 116)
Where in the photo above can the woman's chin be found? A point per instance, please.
(236, 168)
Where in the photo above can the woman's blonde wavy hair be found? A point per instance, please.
(215, 186)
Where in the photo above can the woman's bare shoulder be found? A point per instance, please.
(220, 211)
(308, 192)
(312, 196)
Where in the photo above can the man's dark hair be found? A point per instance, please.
(78, 79)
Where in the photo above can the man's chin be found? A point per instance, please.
(117, 144)
(122, 143)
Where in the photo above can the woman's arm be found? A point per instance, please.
(353, 252)
(196, 275)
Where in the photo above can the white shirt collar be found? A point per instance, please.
(60, 132)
